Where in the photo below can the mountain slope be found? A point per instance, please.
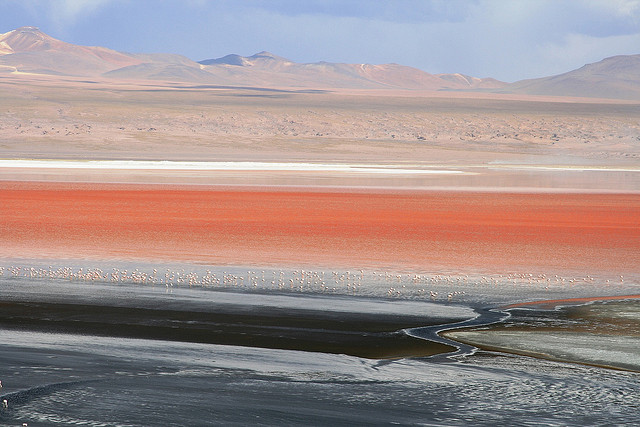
(162, 66)
(29, 50)
(614, 77)
(327, 74)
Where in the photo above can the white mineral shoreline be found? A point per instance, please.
(222, 166)
(293, 166)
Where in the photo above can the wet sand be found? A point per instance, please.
(455, 230)
(604, 333)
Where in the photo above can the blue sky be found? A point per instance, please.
(506, 39)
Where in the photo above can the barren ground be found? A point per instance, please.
(44, 118)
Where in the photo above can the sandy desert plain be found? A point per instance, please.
(329, 221)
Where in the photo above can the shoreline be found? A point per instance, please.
(559, 303)
(346, 176)
(339, 324)
(371, 327)
(275, 166)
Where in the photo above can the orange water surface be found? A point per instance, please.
(457, 230)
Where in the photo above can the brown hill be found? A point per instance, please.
(266, 66)
(29, 50)
(160, 66)
(472, 82)
(615, 77)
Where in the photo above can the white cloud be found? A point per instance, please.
(66, 13)
(72, 9)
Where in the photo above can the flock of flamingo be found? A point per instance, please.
(358, 282)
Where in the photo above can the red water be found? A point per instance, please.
(488, 231)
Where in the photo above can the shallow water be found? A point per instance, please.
(81, 378)
(55, 379)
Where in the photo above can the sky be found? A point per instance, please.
(505, 39)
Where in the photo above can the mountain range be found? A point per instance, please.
(29, 50)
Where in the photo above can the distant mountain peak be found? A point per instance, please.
(27, 49)
(246, 61)
(231, 59)
(613, 77)
(28, 29)
(27, 39)
(615, 65)
(269, 55)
